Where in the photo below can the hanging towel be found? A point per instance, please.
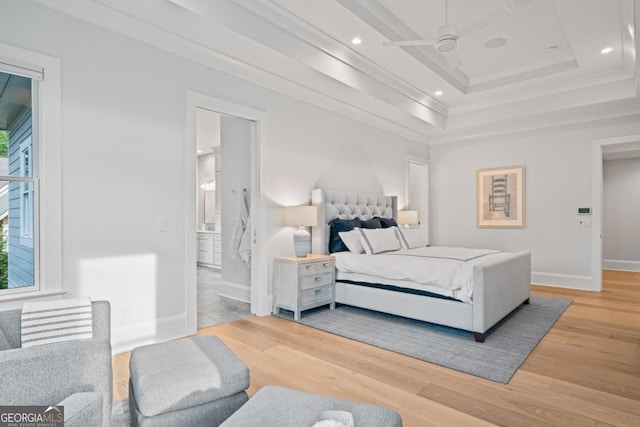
(240, 243)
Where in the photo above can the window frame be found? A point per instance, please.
(45, 72)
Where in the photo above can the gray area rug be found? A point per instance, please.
(506, 347)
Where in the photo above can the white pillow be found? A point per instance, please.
(351, 239)
(378, 240)
(411, 238)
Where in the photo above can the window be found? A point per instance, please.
(17, 177)
(30, 175)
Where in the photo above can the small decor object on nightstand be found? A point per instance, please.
(301, 217)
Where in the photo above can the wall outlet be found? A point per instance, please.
(584, 222)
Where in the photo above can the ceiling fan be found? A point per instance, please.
(447, 34)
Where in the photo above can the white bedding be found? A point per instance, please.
(444, 270)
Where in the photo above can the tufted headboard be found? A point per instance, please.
(345, 205)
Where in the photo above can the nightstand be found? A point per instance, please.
(303, 283)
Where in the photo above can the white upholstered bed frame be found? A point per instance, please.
(498, 287)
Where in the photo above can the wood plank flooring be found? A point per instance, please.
(585, 372)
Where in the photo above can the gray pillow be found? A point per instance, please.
(4, 344)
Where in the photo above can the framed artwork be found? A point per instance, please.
(500, 197)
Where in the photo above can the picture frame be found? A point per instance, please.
(500, 197)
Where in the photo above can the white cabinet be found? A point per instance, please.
(303, 283)
(210, 248)
(217, 249)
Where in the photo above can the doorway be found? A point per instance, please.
(418, 192)
(223, 148)
(228, 190)
(603, 149)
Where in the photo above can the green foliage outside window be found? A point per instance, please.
(4, 256)
(4, 262)
(4, 143)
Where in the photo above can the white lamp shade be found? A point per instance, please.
(407, 217)
(296, 216)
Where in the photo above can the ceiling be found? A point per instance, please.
(549, 71)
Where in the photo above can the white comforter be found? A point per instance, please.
(450, 269)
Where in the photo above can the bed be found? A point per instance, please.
(499, 281)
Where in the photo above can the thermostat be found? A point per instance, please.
(584, 211)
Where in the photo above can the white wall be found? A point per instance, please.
(123, 157)
(558, 181)
(621, 209)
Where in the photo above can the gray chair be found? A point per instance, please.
(76, 374)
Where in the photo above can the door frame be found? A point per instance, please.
(259, 266)
(597, 190)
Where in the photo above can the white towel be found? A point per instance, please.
(46, 322)
(240, 243)
(244, 250)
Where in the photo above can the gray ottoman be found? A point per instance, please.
(283, 407)
(189, 382)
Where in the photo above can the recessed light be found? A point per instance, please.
(437, 93)
(606, 50)
(552, 49)
(199, 151)
(495, 43)
(356, 40)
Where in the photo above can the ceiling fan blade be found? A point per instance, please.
(452, 58)
(492, 18)
(407, 43)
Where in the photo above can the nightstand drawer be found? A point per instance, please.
(310, 269)
(217, 246)
(326, 267)
(308, 282)
(312, 296)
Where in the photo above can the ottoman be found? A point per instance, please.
(283, 407)
(188, 382)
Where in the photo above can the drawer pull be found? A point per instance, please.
(317, 291)
(318, 278)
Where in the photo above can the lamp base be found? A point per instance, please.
(301, 242)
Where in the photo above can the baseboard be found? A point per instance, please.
(235, 291)
(624, 265)
(132, 335)
(570, 281)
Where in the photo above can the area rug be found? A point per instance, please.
(506, 347)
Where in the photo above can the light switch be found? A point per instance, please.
(161, 224)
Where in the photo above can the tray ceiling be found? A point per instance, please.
(547, 68)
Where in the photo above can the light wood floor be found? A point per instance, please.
(585, 372)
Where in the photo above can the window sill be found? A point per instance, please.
(23, 296)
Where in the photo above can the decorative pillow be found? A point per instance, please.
(379, 240)
(388, 222)
(47, 322)
(372, 223)
(411, 238)
(352, 240)
(337, 225)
